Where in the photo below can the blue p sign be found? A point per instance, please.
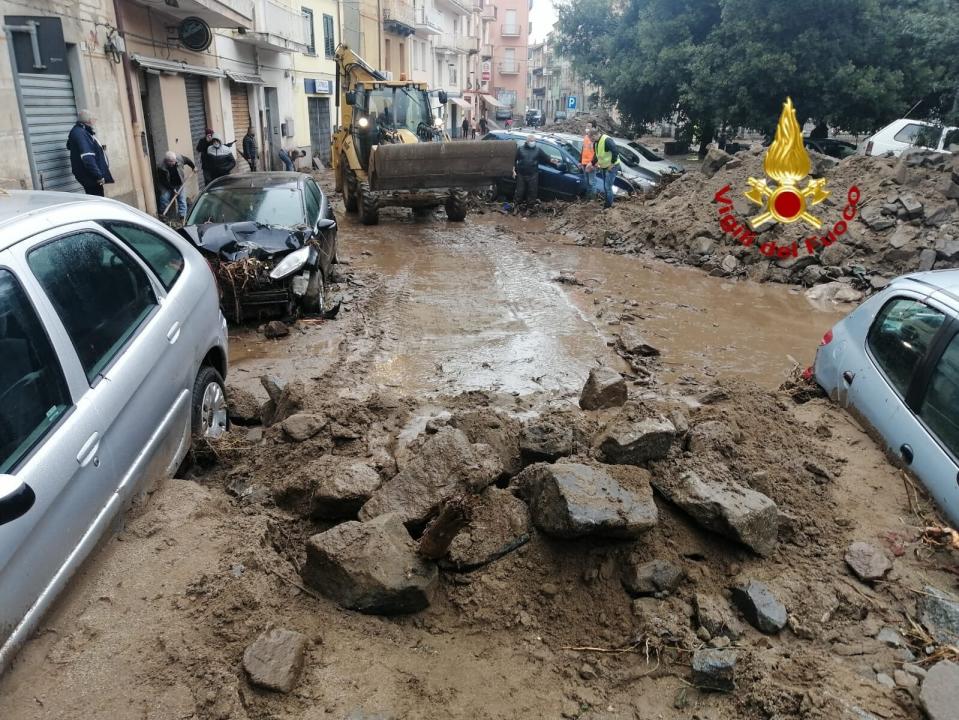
(571, 102)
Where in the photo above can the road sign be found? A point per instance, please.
(571, 102)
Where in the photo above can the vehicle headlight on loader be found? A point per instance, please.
(290, 264)
(438, 122)
(363, 122)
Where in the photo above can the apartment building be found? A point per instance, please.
(552, 85)
(505, 27)
(314, 103)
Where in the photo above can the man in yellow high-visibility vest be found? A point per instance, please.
(606, 158)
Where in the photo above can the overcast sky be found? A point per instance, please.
(542, 16)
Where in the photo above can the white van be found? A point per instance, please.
(904, 134)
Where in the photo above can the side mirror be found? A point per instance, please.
(350, 97)
(325, 224)
(16, 498)
(442, 97)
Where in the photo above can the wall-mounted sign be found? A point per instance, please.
(194, 34)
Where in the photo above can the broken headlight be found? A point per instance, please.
(290, 264)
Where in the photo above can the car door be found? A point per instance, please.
(554, 182)
(51, 436)
(128, 334)
(314, 201)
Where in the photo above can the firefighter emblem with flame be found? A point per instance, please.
(787, 162)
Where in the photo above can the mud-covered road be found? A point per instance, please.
(495, 316)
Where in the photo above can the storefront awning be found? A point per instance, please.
(490, 100)
(461, 102)
(175, 66)
(245, 78)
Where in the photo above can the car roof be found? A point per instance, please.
(944, 284)
(258, 180)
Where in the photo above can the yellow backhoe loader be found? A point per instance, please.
(391, 151)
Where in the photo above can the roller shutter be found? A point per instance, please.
(240, 102)
(50, 111)
(319, 109)
(196, 108)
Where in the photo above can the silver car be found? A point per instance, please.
(113, 353)
(894, 362)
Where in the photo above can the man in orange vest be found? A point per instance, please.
(586, 158)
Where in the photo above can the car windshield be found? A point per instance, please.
(281, 206)
(645, 152)
(402, 107)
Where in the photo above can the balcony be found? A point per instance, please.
(486, 51)
(217, 13)
(460, 7)
(398, 17)
(449, 44)
(509, 30)
(488, 13)
(509, 67)
(277, 27)
(427, 22)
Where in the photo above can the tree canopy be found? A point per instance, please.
(856, 64)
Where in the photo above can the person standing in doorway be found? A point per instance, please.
(201, 147)
(586, 159)
(249, 148)
(526, 171)
(466, 129)
(606, 158)
(219, 159)
(87, 159)
(170, 180)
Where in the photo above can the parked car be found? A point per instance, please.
(503, 113)
(562, 181)
(534, 118)
(559, 116)
(271, 240)
(903, 134)
(894, 362)
(640, 177)
(114, 354)
(651, 160)
(830, 146)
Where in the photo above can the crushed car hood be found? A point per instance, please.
(239, 240)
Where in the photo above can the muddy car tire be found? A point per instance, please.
(350, 185)
(209, 408)
(314, 299)
(369, 207)
(456, 206)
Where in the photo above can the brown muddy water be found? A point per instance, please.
(477, 306)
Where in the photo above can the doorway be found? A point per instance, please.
(272, 130)
(320, 131)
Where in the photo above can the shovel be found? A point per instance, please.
(175, 196)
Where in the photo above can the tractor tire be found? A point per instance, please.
(369, 207)
(456, 206)
(350, 187)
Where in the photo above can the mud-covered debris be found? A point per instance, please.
(651, 578)
(631, 342)
(569, 500)
(242, 407)
(715, 615)
(891, 637)
(940, 691)
(604, 388)
(868, 562)
(274, 660)
(760, 606)
(447, 464)
(499, 524)
(836, 292)
(635, 436)
(302, 426)
(724, 506)
(715, 669)
(905, 680)
(276, 329)
(939, 613)
(370, 566)
(546, 439)
(714, 160)
(568, 278)
(273, 385)
(291, 400)
(496, 429)
(713, 435)
(342, 487)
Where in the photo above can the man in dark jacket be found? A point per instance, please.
(87, 159)
(526, 170)
(170, 181)
(249, 149)
(219, 159)
(201, 148)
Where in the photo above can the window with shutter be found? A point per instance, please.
(328, 40)
(308, 14)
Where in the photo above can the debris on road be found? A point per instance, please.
(275, 659)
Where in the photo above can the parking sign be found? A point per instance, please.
(571, 102)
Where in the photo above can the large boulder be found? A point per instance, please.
(940, 691)
(604, 388)
(370, 566)
(546, 439)
(447, 464)
(569, 500)
(498, 430)
(714, 160)
(725, 507)
(635, 436)
(274, 660)
(341, 491)
(499, 524)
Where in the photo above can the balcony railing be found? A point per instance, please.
(457, 43)
(509, 30)
(488, 13)
(398, 15)
(278, 27)
(487, 51)
(509, 67)
(463, 7)
(428, 21)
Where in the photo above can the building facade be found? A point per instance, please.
(314, 101)
(553, 87)
(505, 43)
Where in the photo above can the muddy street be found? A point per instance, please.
(454, 370)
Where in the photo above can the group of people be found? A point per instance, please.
(599, 155)
(90, 166)
(470, 129)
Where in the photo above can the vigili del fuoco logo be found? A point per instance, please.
(787, 163)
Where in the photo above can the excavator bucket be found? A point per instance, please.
(427, 165)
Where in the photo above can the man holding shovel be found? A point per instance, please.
(170, 179)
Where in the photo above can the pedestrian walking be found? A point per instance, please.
(170, 180)
(586, 159)
(606, 158)
(484, 125)
(473, 131)
(526, 171)
(466, 129)
(219, 159)
(509, 123)
(249, 149)
(87, 159)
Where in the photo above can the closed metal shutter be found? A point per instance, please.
(50, 110)
(240, 102)
(196, 109)
(320, 134)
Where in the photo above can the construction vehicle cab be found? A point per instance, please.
(392, 151)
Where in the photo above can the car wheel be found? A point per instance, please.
(349, 187)
(209, 404)
(369, 207)
(456, 206)
(314, 299)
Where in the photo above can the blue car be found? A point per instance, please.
(894, 362)
(562, 181)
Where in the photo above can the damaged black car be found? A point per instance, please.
(270, 238)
